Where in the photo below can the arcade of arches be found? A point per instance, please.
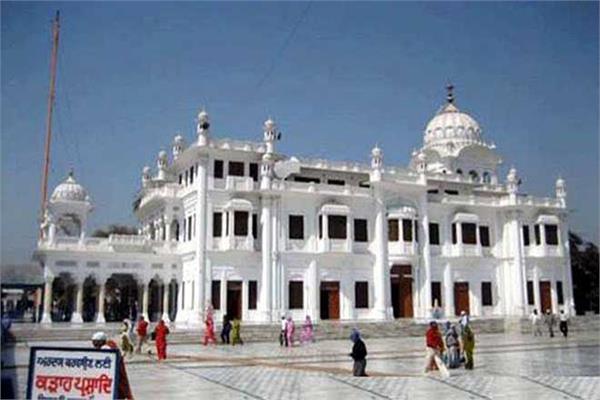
(113, 299)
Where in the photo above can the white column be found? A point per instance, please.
(76, 317)
(425, 256)
(265, 282)
(569, 302)
(223, 294)
(249, 238)
(197, 313)
(448, 291)
(245, 285)
(349, 233)
(516, 249)
(101, 293)
(313, 290)
(82, 229)
(145, 299)
(325, 241)
(47, 313)
(536, 290)
(168, 232)
(347, 297)
(553, 296)
(165, 305)
(381, 273)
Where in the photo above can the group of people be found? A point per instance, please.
(549, 320)
(288, 330)
(450, 349)
(127, 333)
(230, 330)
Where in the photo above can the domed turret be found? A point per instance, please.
(561, 188)
(178, 146)
(376, 157)
(203, 127)
(451, 124)
(452, 142)
(69, 190)
(67, 210)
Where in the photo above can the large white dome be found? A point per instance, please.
(70, 190)
(451, 124)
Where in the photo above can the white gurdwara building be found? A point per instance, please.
(258, 234)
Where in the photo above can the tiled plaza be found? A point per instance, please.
(506, 367)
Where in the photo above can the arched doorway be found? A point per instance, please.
(401, 281)
(173, 294)
(90, 299)
(121, 296)
(154, 300)
(63, 298)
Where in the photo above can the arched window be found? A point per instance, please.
(486, 177)
(459, 171)
(473, 174)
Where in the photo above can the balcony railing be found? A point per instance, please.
(402, 248)
(543, 251)
(243, 243)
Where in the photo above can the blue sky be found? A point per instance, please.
(337, 77)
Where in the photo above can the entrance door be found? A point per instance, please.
(330, 300)
(234, 299)
(545, 299)
(401, 281)
(461, 297)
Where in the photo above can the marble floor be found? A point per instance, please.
(506, 367)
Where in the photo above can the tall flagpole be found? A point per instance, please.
(55, 32)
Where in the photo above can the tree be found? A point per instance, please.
(116, 229)
(584, 268)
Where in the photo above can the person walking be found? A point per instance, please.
(236, 335)
(536, 323)
(101, 341)
(359, 354)
(160, 333)
(550, 321)
(126, 344)
(563, 324)
(209, 328)
(225, 330)
(452, 347)
(434, 348)
(468, 340)
(283, 332)
(289, 332)
(307, 331)
(142, 334)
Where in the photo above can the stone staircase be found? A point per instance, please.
(182, 333)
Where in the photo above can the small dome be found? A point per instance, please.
(269, 124)
(203, 116)
(69, 190)
(451, 124)
(376, 151)
(178, 140)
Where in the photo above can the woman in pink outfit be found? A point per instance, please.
(289, 331)
(307, 335)
(209, 327)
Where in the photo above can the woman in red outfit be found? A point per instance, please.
(161, 331)
(209, 328)
(434, 348)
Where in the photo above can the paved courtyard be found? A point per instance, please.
(506, 367)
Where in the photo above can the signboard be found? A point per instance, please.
(73, 373)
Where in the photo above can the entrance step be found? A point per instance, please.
(28, 332)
